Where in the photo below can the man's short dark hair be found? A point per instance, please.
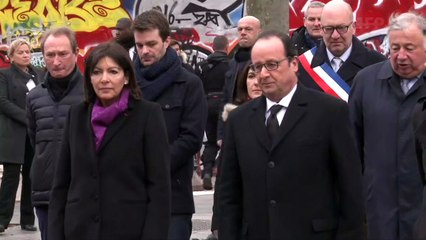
(285, 39)
(152, 19)
(220, 43)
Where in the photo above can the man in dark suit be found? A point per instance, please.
(341, 51)
(292, 173)
(381, 105)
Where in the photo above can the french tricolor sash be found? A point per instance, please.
(323, 75)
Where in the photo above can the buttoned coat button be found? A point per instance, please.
(271, 164)
(272, 203)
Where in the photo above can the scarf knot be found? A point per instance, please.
(102, 116)
(154, 79)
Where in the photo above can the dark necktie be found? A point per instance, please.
(272, 122)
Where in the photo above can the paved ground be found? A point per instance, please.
(201, 220)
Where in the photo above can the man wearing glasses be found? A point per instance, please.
(290, 169)
(332, 66)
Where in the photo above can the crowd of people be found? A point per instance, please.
(313, 136)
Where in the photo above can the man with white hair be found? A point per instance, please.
(381, 105)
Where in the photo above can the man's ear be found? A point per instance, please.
(167, 42)
(354, 27)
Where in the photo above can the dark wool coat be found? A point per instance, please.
(121, 191)
(382, 116)
(13, 120)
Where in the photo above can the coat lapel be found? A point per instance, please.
(294, 113)
(257, 121)
(320, 57)
(355, 62)
(418, 86)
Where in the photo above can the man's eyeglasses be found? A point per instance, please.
(340, 29)
(270, 65)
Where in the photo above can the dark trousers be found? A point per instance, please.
(210, 146)
(215, 207)
(8, 188)
(180, 227)
(42, 213)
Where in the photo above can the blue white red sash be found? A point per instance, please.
(323, 75)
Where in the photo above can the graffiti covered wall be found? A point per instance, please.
(194, 22)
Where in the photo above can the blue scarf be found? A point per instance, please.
(155, 79)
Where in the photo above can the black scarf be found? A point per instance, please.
(153, 80)
(59, 86)
(243, 54)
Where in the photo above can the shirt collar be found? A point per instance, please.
(285, 101)
(344, 56)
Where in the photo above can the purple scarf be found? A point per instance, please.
(102, 116)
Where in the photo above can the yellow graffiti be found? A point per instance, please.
(79, 15)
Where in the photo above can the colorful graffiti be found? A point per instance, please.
(194, 22)
(90, 19)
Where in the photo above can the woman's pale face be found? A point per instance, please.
(22, 56)
(108, 80)
(253, 88)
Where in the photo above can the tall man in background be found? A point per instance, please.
(381, 104)
(309, 35)
(212, 73)
(163, 80)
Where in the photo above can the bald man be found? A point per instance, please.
(249, 28)
(341, 55)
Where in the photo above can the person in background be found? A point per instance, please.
(212, 73)
(381, 104)
(124, 35)
(309, 35)
(47, 109)
(177, 46)
(163, 80)
(247, 89)
(16, 152)
(112, 179)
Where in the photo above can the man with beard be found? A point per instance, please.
(163, 80)
(249, 28)
(332, 66)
